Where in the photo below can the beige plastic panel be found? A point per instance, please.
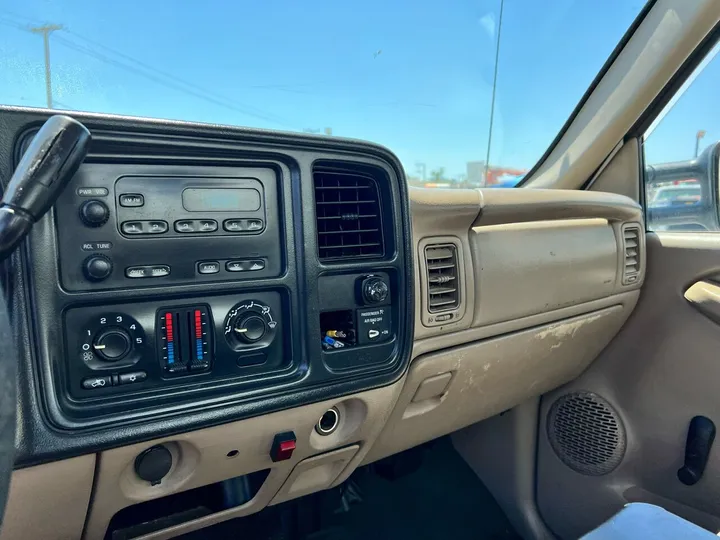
(443, 216)
(200, 458)
(49, 501)
(495, 374)
(514, 205)
(622, 173)
(315, 474)
(535, 267)
(662, 369)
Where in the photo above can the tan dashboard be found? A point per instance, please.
(544, 280)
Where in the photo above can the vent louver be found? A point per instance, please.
(631, 247)
(442, 277)
(347, 209)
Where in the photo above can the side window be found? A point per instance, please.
(682, 149)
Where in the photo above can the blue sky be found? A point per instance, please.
(413, 75)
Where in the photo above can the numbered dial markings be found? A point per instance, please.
(110, 341)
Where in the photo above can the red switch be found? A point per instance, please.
(283, 446)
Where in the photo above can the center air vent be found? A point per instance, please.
(347, 206)
(442, 277)
(631, 247)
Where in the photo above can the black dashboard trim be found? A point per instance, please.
(40, 439)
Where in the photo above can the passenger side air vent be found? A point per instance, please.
(631, 247)
(442, 277)
(347, 207)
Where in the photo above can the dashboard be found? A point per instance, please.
(202, 281)
(281, 309)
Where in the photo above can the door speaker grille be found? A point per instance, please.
(586, 433)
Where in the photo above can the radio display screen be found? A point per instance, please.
(221, 199)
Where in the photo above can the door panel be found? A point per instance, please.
(660, 371)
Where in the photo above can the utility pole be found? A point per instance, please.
(45, 31)
(699, 135)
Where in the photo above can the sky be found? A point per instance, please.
(414, 75)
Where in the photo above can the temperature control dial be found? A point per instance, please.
(250, 328)
(111, 341)
(250, 324)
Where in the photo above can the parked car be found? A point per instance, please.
(678, 195)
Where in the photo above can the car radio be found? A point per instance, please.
(118, 228)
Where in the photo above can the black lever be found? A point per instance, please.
(50, 161)
(700, 437)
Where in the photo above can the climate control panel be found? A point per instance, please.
(145, 346)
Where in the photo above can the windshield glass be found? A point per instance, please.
(416, 76)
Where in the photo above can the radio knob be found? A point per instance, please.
(97, 267)
(94, 213)
(112, 344)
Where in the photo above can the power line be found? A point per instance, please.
(193, 89)
(494, 88)
(14, 24)
(170, 76)
(288, 88)
(280, 87)
(169, 84)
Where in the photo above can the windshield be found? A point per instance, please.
(467, 93)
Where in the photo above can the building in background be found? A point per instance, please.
(475, 173)
(504, 176)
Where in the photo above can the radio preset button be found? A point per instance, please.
(208, 267)
(132, 227)
(254, 224)
(234, 225)
(185, 226)
(144, 227)
(155, 227)
(207, 225)
(132, 200)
